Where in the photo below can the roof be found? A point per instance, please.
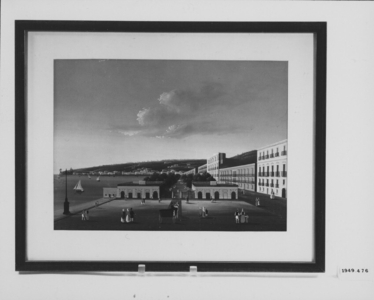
(245, 158)
(207, 183)
(146, 183)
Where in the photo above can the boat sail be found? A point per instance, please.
(78, 187)
(98, 178)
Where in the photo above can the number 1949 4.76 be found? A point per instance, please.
(355, 270)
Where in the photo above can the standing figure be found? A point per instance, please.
(132, 214)
(237, 216)
(123, 216)
(84, 215)
(128, 218)
(87, 217)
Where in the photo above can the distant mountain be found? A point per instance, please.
(170, 164)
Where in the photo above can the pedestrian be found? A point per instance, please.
(237, 216)
(159, 200)
(83, 215)
(123, 216)
(132, 214)
(272, 194)
(128, 218)
(206, 212)
(87, 217)
(257, 201)
(143, 200)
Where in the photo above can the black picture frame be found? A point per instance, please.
(23, 27)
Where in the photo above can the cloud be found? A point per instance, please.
(180, 113)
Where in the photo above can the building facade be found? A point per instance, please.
(214, 190)
(135, 190)
(272, 169)
(202, 169)
(213, 164)
(243, 175)
(192, 171)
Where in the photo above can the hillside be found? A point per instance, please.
(177, 165)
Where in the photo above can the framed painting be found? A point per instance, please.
(170, 145)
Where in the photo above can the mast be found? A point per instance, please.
(66, 203)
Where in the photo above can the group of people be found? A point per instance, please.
(203, 212)
(85, 216)
(127, 215)
(241, 216)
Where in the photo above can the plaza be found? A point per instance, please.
(220, 216)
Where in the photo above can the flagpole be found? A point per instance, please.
(66, 203)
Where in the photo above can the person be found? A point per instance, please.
(87, 217)
(257, 201)
(123, 216)
(237, 216)
(132, 214)
(242, 216)
(143, 200)
(128, 218)
(159, 200)
(203, 212)
(242, 212)
(206, 212)
(272, 194)
(83, 215)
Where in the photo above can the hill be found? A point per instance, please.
(170, 164)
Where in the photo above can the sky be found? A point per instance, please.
(118, 111)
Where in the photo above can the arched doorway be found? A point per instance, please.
(233, 196)
(216, 195)
(207, 196)
(283, 193)
(200, 195)
(130, 195)
(147, 195)
(122, 195)
(155, 195)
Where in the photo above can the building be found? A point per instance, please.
(213, 164)
(135, 190)
(272, 169)
(240, 170)
(192, 171)
(214, 190)
(243, 175)
(202, 169)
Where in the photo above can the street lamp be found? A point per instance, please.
(66, 203)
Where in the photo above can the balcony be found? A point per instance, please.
(277, 174)
(266, 184)
(284, 174)
(272, 185)
(277, 154)
(277, 186)
(272, 174)
(272, 155)
(284, 152)
(266, 156)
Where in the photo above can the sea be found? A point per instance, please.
(93, 189)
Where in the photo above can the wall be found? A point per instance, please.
(350, 125)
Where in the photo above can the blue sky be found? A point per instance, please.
(117, 111)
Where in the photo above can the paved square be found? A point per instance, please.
(220, 217)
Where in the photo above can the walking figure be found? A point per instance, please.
(237, 216)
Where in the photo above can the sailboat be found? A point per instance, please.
(98, 178)
(78, 187)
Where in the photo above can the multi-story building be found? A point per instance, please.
(272, 169)
(213, 164)
(192, 171)
(214, 190)
(202, 169)
(243, 175)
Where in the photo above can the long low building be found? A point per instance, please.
(214, 190)
(134, 190)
